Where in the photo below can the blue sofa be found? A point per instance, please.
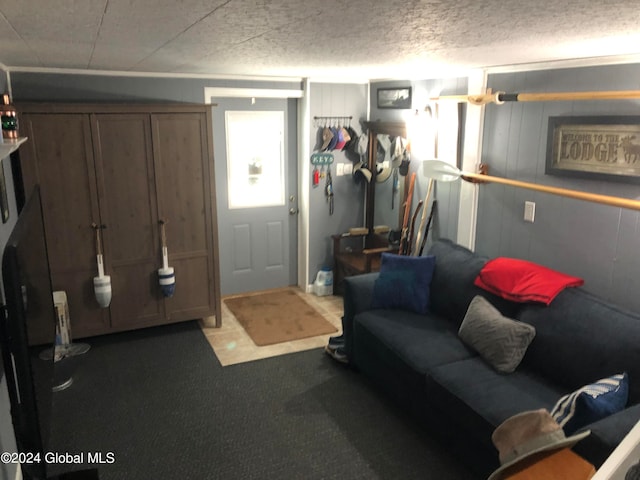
(422, 364)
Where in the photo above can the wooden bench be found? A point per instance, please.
(356, 252)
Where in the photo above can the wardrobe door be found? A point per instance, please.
(126, 192)
(59, 157)
(183, 166)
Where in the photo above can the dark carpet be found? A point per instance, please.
(160, 401)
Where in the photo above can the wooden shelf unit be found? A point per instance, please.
(358, 254)
(126, 167)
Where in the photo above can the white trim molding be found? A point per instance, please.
(218, 92)
(566, 63)
(468, 208)
(304, 172)
(128, 73)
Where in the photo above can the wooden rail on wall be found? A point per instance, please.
(439, 170)
(501, 97)
(563, 192)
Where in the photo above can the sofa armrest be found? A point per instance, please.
(606, 435)
(358, 293)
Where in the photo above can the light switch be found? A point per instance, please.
(339, 169)
(529, 211)
(348, 168)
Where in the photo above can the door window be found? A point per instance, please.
(255, 158)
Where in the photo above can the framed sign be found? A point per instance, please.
(394, 97)
(604, 148)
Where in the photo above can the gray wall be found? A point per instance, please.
(596, 242)
(445, 223)
(337, 100)
(40, 87)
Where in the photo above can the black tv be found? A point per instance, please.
(28, 328)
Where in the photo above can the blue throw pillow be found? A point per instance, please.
(404, 283)
(592, 403)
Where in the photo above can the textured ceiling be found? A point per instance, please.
(354, 38)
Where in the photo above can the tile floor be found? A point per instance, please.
(232, 345)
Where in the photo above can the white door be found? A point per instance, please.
(254, 150)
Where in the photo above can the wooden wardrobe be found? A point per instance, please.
(124, 169)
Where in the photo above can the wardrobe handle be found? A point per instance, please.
(97, 228)
(163, 236)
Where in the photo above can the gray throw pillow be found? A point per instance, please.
(500, 341)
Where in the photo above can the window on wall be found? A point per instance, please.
(255, 158)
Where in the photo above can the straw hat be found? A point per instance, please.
(526, 434)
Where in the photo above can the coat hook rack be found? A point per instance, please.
(342, 117)
(333, 120)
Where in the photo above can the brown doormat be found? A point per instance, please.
(276, 317)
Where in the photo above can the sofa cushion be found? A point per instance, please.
(358, 293)
(523, 281)
(419, 342)
(403, 283)
(452, 287)
(481, 398)
(579, 338)
(500, 341)
(592, 402)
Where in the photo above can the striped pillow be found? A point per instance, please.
(592, 402)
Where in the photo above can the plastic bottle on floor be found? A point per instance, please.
(323, 284)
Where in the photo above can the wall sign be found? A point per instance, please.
(321, 158)
(394, 97)
(604, 148)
